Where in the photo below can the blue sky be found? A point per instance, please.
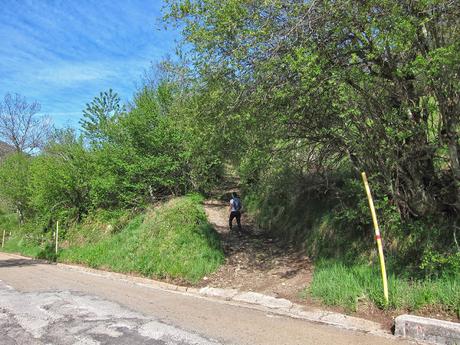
(63, 53)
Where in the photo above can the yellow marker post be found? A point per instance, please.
(378, 238)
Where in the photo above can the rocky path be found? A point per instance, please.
(254, 261)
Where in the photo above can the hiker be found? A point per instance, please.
(235, 207)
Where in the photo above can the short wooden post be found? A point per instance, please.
(57, 235)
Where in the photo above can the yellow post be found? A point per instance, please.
(57, 235)
(378, 238)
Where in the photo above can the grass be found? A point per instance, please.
(39, 249)
(97, 226)
(24, 239)
(336, 284)
(18, 245)
(173, 241)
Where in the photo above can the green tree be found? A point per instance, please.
(14, 177)
(99, 114)
(373, 85)
(144, 156)
(60, 178)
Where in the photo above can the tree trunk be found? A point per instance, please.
(449, 108)
(20, 215)
(455, 167)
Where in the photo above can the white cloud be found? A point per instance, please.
(67, 74)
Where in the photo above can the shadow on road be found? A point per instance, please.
(17, 263)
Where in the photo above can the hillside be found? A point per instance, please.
(260, 261)
(5, 149)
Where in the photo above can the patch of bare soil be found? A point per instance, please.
(255, 262)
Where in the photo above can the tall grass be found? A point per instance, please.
(174, 241)
(8, 223)
(337, 284)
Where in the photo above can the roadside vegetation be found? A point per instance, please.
(355, 286)
(172, 241)
(299, 98)
(347, 269)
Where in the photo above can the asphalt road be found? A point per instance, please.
(49, 304)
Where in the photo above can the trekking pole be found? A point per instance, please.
(378, 238)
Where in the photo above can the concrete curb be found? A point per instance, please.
(266, 301)
(227, 294)
(428, 330)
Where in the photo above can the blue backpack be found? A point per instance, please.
(237, 204)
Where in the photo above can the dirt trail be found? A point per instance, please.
(254, 261)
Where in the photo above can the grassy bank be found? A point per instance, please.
(336, 284)
(171, 241)
(19, 239)
(19, 245)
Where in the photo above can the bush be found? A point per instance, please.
(8, 222)
(30, 240)
(329, 217)
(435, 264)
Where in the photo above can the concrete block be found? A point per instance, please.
(336, 319)
(266, 301)
(429, 330)
(226, 294)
